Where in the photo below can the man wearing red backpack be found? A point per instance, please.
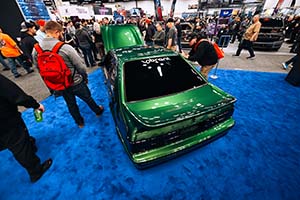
(67, 75)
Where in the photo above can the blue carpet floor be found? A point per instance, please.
(258, 159)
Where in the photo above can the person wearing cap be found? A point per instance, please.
(40, 34)
(13, 53)
(150, 31)
(28, 32)
(171, 35)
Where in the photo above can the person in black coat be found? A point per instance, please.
(203, 52)
(293, 76)
(14, 135)
(28, 32)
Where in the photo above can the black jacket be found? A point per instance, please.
(83, 37)
(12, 96)
(27, 43)
(205, 54)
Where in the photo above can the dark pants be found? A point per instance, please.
(234, 35)
(245, 44)
(293, 76)
(13, 65)
(292, 60)
(2, 61)
(83, 92)
(17, 140)
(88, 57)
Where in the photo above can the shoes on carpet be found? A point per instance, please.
(81, 125)
(101, 111)
(30, 71)
(285, 66)
(18, 75)
(45, 166)
(251, 57)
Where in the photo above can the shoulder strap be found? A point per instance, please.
(56, 47)
(196, 45)
(38, 48)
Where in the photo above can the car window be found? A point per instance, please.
(155, 77)
(269, 22)
(186, 27)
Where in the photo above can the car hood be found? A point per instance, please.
(120, 36)
(177, 107)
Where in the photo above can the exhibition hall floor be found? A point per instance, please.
(259, 158)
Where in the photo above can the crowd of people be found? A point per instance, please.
(83, 47)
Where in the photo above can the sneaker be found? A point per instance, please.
(251, 57)
(45, 166)
(18, 75)
(101, 111)
(30, 71)
(284, 66)
(81, 125)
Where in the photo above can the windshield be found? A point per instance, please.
(155, 77)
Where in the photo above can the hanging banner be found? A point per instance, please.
(158, 11)
(172, 8)
(33, 9)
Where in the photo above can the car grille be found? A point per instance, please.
(268, 38)
(180, 134)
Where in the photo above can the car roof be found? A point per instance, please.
(141, 52)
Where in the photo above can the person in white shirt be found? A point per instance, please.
(40, 34)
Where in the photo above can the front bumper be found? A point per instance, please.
(267, 45)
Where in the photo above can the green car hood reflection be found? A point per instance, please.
(120, 36)
(169, 109)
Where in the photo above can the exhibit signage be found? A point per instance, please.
(33, 9)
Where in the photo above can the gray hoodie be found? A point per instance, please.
(69, 55)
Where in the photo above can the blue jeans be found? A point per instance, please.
(13, 65)
(83, 92)
(2, 61)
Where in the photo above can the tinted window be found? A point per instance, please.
(154, 77)
(269, 22)
(186, 27)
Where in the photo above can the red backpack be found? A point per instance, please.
(53, 70)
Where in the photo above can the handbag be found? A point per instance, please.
(219, 51)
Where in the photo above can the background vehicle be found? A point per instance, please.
(271, 35)
(187, 30)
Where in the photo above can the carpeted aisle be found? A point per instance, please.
(258, 159)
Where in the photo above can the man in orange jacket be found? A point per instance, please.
(12, 52)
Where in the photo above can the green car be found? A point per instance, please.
(161, 105)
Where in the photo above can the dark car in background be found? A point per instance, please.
(186, 33)
(271, 35)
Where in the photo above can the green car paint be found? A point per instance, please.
(117, 33)
(157, 120)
